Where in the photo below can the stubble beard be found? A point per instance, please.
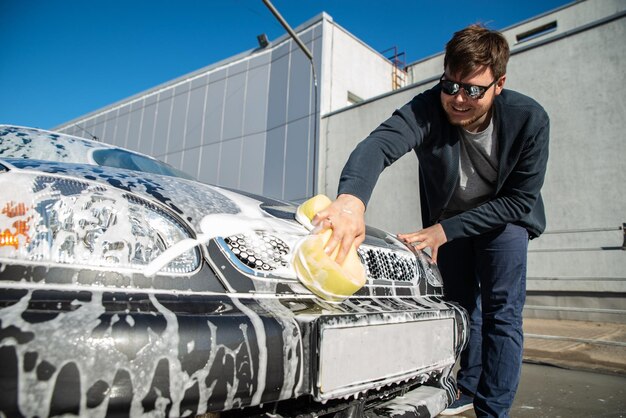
(464, 123)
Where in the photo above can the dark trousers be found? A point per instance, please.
(486, 274)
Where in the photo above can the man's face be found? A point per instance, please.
(462, 110)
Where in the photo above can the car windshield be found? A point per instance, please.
(35, 144)
(123, 159)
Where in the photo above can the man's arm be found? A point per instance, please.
(398, 135)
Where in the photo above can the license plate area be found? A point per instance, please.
(357, 358)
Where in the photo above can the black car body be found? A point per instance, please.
(129, 290)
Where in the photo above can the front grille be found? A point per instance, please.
(263, 252)
(259, 251)
(383, 264)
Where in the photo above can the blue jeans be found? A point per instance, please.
(486, 275)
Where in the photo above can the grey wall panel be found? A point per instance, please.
(110, 119)
(98, 128)
(274, 163)
(300, 86)
(256, 105)
(151, 99)
(121, 126)
(207, 169)
(214, 110)
(95, 130)
(218, 75)
(176, 137)
(297, 160)
(134, 127)
(199, 82)
(173, 158)
(279, 76)
(317, 59)
(234, 101)
(195, 116)
(101, 124)
(161, 130)
(229, 163)
(252, 163)
(306, 38)
(312, 145)
(147, 129)
(190, 161)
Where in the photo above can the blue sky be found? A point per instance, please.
(60, 59)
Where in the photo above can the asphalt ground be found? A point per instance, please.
(552, 392)
(571, 369)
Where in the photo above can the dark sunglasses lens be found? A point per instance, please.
(475, 92)
(450, 87)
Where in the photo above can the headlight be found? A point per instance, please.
(54, 220)
(429, 269)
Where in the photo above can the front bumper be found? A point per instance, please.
(88, 351)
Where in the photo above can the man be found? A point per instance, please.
(482, 154)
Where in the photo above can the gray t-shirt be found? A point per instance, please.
(478, 170)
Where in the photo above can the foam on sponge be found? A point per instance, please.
(318, 271)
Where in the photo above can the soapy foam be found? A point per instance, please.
(99, 360)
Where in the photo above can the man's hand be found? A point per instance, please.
(432, 237)
(346, 217)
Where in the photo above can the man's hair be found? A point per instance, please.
(474, 46)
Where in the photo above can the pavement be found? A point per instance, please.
(578, 345)
(589, 374)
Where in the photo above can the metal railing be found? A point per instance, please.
(584, 230)
(576, 309)
(579, 286)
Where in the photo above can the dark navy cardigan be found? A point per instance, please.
(421, 126)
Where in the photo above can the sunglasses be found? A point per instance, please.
(473, 92)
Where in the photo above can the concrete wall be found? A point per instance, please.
(351, 66)
(579, 78)
(394, 205)
(567, 18)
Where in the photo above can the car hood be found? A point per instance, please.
(191, 200)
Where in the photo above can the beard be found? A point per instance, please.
(464, 123)
(474, 117)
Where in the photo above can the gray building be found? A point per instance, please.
(250, 121)
(254, 122)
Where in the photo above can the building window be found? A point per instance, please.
(536, 32)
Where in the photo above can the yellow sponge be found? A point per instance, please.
(307, 211)
(318, 271)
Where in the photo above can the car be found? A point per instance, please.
(130, 289)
